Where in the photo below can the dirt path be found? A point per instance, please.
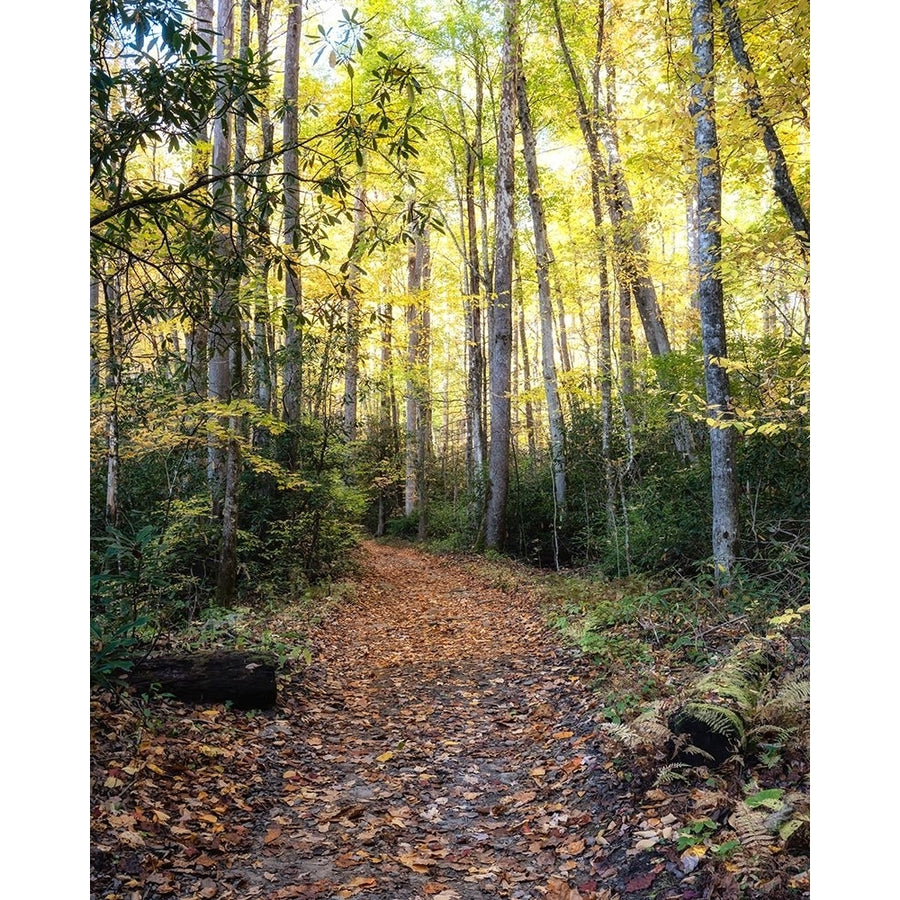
(441, 745)
(445, 749)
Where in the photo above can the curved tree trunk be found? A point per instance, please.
(784, 186)
(544, 257)
(630, 254)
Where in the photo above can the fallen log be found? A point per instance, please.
(245, 679)
(718, 709)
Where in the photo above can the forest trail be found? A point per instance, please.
(442, 744)
(444, 749)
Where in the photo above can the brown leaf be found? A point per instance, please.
(272, 834)
(640, 883)
(558, 889)
(416, 863)
(562, 735)
(208, 888)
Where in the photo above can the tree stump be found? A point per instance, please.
(245, 679)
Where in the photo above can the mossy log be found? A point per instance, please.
(717, 711)
(245, 679)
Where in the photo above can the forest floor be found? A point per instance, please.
(441, 743)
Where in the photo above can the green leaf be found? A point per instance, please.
(770, 799)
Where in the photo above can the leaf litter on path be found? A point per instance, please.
(441, 744)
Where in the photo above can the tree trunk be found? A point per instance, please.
(476, 447)
(413, 331)
(197, 336)
(113, 380)
(784, 186)
(351, 361)
(526, 385)
(544, 257)
(500, 308)
(292, 387)
(712, 312)
(390, 413)
(95, 335)
(630, 256)
(244, 679)
(262, 358)
(224, 335)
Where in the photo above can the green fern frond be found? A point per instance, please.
(670, 773)
(622, 733)
(793, 694)
(718, 719)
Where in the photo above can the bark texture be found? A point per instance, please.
(712, 311)
(292, 290)
(246, 680)
(543, 259)
(500, 309)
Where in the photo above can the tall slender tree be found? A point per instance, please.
(292, 285)
(500, 307)
(712, 307)
(544, 256)
(354, 290)
(781, 178)
(225, 328)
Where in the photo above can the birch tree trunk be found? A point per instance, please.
(95, 335)
(544, 257)
(782, 183)
(292, 388)
(423, 429)
(526, 385)
(500, 308)
(712, 313)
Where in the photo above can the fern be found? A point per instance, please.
(671, 773)
(720, 720)
(792, 698)
(624, 734)
(754, 854)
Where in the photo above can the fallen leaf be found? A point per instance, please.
(416, 863)
(388, 754)
(646, 843)
(272, 834)
(562, 735)
(639, 883)
(558, 889)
